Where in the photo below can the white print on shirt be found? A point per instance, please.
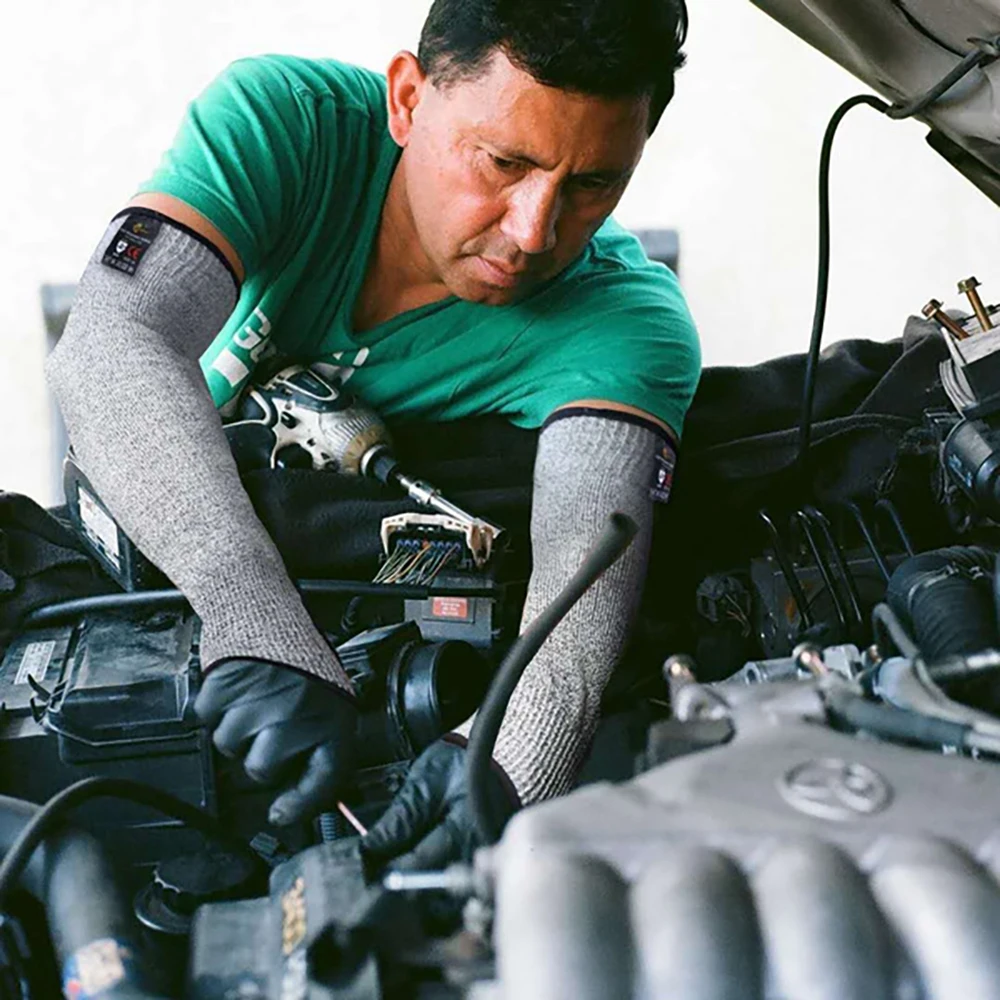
(339, 373)
(253, 339)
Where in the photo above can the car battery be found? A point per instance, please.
(109, 694)
(103, 536)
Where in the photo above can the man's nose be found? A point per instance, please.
(532, 214)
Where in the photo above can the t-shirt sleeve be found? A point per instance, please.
(239, 156)
(623, 336)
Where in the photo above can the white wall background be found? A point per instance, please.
(92, 90)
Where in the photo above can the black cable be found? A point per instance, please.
(895, 724)
(887, 507)
(869, 537)
(787, 567)
(164, 600)
(41, 824)
(609, 548)
(986, 50)
(823, 273)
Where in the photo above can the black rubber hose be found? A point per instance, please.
(46, 819)
(945, 598)
(823, 273)
(985, 52)
(896, 724)
(71, 876)
(174, 600)
(610, 547)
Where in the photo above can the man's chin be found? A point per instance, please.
(485, 294)
(502, 296)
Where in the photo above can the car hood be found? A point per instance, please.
(901, 48)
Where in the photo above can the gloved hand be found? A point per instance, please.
(286, 727)
(429, 823)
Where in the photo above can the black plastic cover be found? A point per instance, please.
(109, 695)
(127, 682)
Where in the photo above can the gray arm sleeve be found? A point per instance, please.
(586, 469)
(142, 421)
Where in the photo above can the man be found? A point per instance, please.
(442, 236)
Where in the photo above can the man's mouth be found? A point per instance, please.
(498, 274)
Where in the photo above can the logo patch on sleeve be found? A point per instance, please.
(132, 240)
(663, 474)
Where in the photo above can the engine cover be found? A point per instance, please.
(793, 861)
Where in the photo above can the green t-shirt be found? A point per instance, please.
(291, 160)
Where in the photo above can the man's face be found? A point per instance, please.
(506, 179)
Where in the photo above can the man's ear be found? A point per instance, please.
(407, 80)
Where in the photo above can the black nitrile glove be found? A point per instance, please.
(279, 721)
(429, 823)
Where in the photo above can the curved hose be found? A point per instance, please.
(895, 724)
(610, 547)
(84, 905)
(946, 598)
(823, 272)
(18, 855)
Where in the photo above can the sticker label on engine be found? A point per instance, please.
(35, 661)
(100, 528)
(450, 607)
(294, 923)
(293, 916)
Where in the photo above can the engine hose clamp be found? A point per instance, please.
(927, 579)
(974, 574)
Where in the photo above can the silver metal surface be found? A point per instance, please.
(833, 788)
(429, 496)
(793, 861)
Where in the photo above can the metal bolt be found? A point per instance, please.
(810, 657)
(679, 670)
(934, 310)
(458, 880)
(968, 288)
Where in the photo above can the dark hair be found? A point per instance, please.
(605, 48)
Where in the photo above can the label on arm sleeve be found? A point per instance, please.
(132, 240)
(663, 473)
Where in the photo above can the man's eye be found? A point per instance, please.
(593, 184)
(501, 164)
